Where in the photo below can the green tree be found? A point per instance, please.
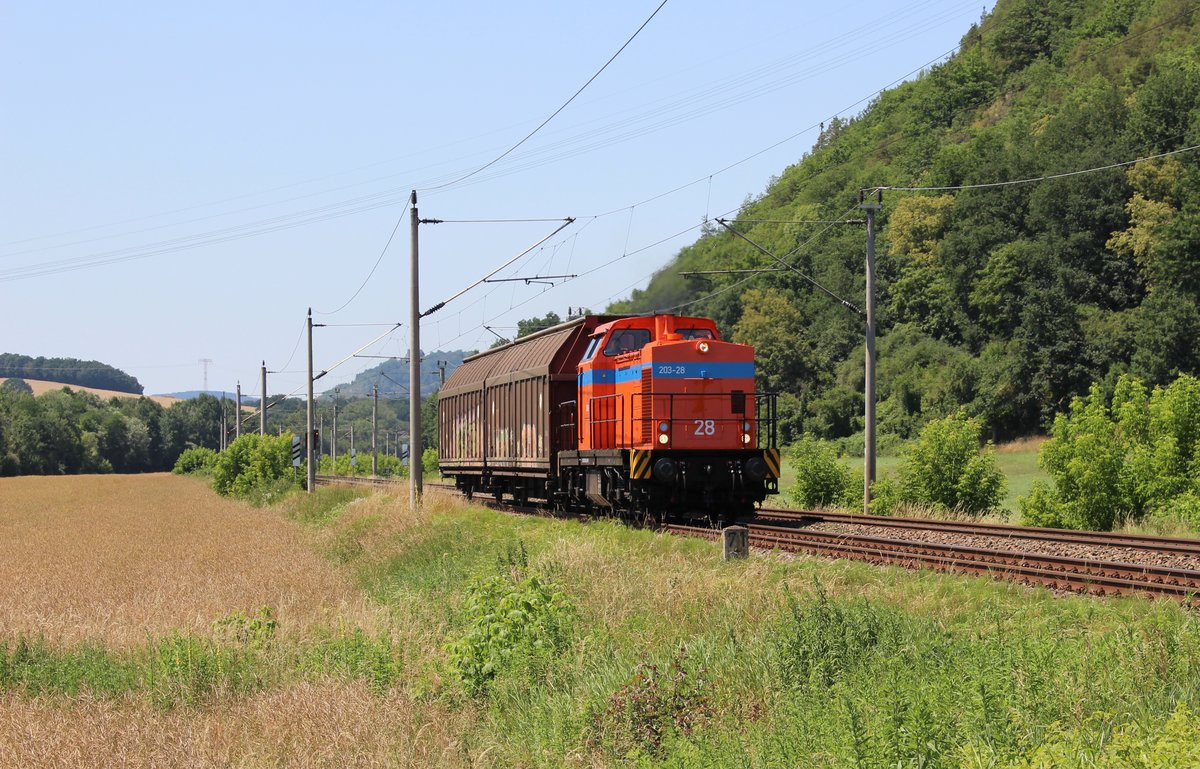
(946, 469)
(13, 384)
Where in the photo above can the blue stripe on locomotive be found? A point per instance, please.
(692, 370)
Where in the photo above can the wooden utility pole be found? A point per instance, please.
(374, 429)
(869, 388)
(237, 420)
(414, 369)
(308, 441)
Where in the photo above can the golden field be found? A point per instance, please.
(40, 386)
(118, 559)
(124, 561)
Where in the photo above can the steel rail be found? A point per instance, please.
(1176, 545)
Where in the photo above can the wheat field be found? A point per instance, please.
(119, 559)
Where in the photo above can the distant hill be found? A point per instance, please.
(392, 375)
(187, 395)
(69, 371)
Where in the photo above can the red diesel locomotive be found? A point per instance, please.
(640, 417)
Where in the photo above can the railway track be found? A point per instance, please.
(1190, 547)
(1082, 575)
(1002, 557)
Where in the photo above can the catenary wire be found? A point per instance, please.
(560, 109)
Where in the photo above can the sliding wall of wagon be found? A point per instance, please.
(500, 411)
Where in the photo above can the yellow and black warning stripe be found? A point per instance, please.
(771, 457)
(639, 464)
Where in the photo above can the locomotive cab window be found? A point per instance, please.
(627, 340)
(695, 333)
(593, 343)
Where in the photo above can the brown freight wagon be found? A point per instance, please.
(500, 425)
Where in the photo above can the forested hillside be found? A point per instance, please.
(391, 376)
(1006, 299)
(86, 373)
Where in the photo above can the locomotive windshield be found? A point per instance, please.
(695, 333)
(593, 343)
(627, 340)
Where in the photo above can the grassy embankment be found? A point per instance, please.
(665, 656)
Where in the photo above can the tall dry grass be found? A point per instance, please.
(116, 559)
(306, 725)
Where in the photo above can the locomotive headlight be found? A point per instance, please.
(664, 427)
(745, 437)
(662, 438)
(702, 346)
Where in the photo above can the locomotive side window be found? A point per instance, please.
(593, 343)
(695, 333)
(627, 340)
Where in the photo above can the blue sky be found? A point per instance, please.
(182, 181)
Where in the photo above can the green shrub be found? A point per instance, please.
(256, 630)
(516, 618)
(429, 461)
(1123, 459)
(255, 467)
(197, 460)
(387, 465)
(945, 469)
(822, 478)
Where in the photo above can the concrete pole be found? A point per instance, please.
(262, 404)
(333, 438)
(237, 420)
(321, 430)
(374, 429)
(312, 468)
(414, 370)
(869, 387)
